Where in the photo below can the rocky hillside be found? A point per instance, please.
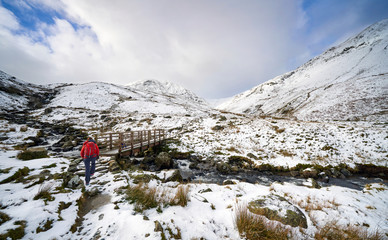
(347, 82)
(101, 105)
(17, 95)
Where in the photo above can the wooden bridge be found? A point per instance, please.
(129, 143)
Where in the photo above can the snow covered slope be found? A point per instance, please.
(165, 88)
(347, 82)
(103, 96)
(16, 94)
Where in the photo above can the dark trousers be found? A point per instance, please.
(90, 165)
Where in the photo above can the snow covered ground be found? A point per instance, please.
(286, 142)
(209, 214)
(211, 210)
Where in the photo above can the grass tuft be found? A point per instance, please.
(143, 197)
(182, 196)
(44, 193)
(18, 176)
(255, 227)
(333, 231)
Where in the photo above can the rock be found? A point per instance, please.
(251, 155)
(314, 183)
(158, 227)
(68, 144)
(71, 180)
(149, 159)
(275, 207)
(346, 172)
(33, 153)
(223, 168)
(40, 134)
(181, 155)
(72, 168)
(335, 173)
(93, 192)
(323, 177)
(217, 128)
(294, 173)
(310, 173)
(23, 129)
(234, 169)
(194, 165)
(3, 138)
(48, 110)
(205, 190)
(163, 161)
(175, 177)
(113, 166)
(228, 182)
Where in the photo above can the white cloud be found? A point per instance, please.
(8, 20)
(215, 48)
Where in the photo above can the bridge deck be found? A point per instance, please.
(129, 143)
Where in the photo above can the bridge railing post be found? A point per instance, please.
(120, 142)
(141, 140)
(132, 141)
(149, 138)
(110, 141)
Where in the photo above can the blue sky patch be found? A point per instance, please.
(31, 16)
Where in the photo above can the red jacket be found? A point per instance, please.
(89, 150)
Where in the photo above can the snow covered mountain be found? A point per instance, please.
(143, 97)
(104, 96)
(18, 95)
(347, 82)
(165, 88)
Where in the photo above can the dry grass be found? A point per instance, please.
(333, 231)
(255, 227)
(143, 197)
(44, 192)
(182, 196)
(286, 153)
(313, 204)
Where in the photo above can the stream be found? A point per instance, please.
(211, 175)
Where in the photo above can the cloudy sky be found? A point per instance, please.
(216, 48)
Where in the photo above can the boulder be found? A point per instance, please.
(278, 208)
(228, 182)
(251, 155)
(314, 183)
(175, 177)
(113, 166)
(346, 172)
(223, 168)
(158, 227)
(193, 165)
(33, 153)
(71, 180)
(310, 173)
(335, 173)
(163, 161)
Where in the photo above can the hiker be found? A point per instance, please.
(89, 153)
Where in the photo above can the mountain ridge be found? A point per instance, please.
(313, 90)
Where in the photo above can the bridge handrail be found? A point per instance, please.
(125, 140)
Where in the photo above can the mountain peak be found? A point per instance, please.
(165, 88)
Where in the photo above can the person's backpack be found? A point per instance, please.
(90, 150)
